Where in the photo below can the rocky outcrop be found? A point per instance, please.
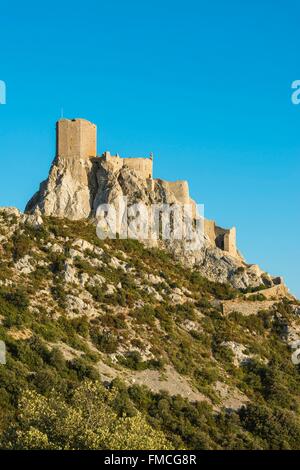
(68, 190)
(76, 187)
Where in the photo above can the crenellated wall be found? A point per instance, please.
(115, 162)
(142, 166)
(225, 239)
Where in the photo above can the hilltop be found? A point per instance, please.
(197, 363)
(79, 182)
(145, 343)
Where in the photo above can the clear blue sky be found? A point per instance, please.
(204, 85)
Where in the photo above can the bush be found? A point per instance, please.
(256, 297)
(58, 261)
(206, 375)
(105, 342)
(21, 246)
(17, 297)
(114, 321)
(278, 429)
(59, 295)
(86, 421)
(133, 360)
(144, 315)
(83, 369)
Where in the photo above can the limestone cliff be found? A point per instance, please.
(76, 186)
(68, 190)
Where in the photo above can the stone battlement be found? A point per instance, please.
(222, 238)
(77, 138)
(142, 166)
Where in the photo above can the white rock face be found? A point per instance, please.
(24, 265)
(239, 352)
(215, 264)
(70, 274)
(76, 187)
(34, 219)
(67, 191)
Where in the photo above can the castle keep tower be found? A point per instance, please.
(76, 138)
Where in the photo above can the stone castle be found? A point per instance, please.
(79, 181)
(77, 138)
(77, 158)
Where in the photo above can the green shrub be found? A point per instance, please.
(59, 295)
(58, 261)
(117, 322)
(144, 315)
(105, 342)
(17, 297)
(133, 360)
(83, 369)
(22, 246)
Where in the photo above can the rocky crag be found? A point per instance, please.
(79, 182)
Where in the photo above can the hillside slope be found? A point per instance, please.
(199, 364)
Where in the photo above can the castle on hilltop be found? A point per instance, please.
(77, 138)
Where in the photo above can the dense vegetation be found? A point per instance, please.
(47, 398)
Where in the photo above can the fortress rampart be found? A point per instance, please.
(225, 239)
(142, 166)
(77, 138)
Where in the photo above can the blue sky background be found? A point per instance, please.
(204, 85)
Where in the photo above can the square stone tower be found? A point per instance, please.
(76, 138)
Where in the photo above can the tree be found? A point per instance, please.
(88, 421)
